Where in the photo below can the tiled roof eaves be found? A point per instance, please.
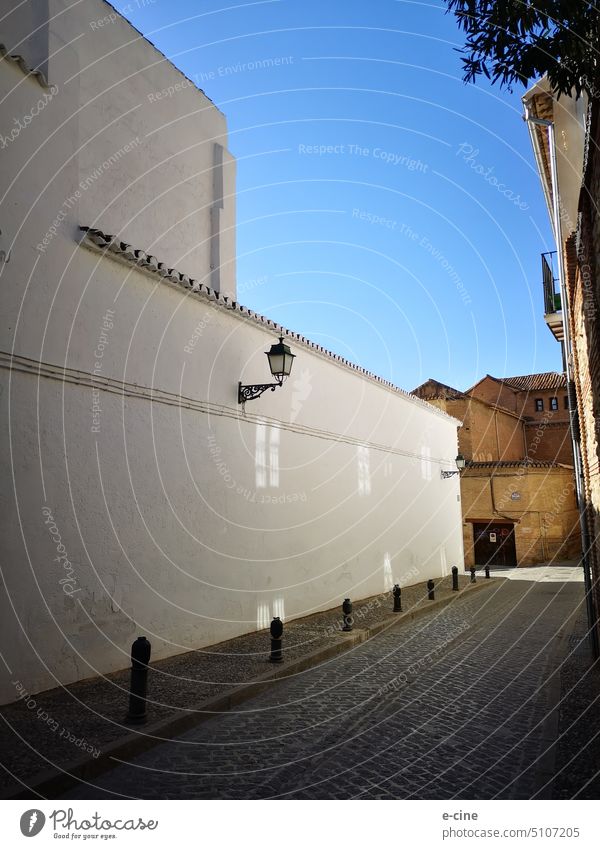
(21, 62)
(539, 381)
(134, 257)
(560, 423)
(591, 118)
(540, 102)
(527, 382)
(516, 464)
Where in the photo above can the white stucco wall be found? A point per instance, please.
(187, 520)
(125, 142)
(137, 496)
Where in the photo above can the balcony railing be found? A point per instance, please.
(550, 284)
(552, 304)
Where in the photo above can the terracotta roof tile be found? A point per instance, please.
(5, 53)
(517, 464)
(532, 382)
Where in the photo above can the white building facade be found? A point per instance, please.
(138, 496)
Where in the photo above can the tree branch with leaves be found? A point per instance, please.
(515, 41)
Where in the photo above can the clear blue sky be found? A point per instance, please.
(382, 243)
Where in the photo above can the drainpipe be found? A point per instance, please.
(574, 426)
(497, 436)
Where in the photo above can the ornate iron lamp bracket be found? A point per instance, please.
(249, 393)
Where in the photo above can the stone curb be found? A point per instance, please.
(56, 781)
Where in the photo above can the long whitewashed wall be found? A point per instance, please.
(137, 496)
(185, 518)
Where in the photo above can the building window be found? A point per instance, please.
(539, 405)
(554, 403)
(566, 400)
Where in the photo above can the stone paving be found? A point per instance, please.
(577, 767)
(455, 704)
(557, 571)
(59, 726)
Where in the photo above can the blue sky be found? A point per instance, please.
(385, 209)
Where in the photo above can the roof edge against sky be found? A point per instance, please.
(539, 138)
(460, 396)
(452, 389)
(160, 53)
(512, 382)
(481, 379)
(515, 387)
(113, 248)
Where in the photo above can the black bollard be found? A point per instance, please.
(455, 578)
(430, 590)
(276, 634)
(473, 578)
(348, 620)
(140, 658)
(397, 598)
(487, 570)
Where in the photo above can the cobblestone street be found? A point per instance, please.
(457, 704)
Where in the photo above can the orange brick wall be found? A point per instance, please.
(495, 393)
(510, 433)
(523, 403)
(549, 441)
(487, 434)
(526, 404)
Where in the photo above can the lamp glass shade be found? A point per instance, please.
(460, 462)
(280, 359)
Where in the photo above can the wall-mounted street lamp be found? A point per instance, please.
(460, 464)
(280, 362)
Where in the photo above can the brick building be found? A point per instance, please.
(542, 402)
(518, 486)
(565, 134)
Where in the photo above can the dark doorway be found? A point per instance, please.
(495, 544)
